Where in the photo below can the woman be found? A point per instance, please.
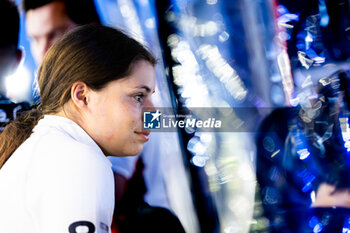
(93, 84)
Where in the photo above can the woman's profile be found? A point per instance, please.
(54, 176)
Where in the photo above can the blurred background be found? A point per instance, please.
(252, 54)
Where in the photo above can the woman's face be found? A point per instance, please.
(115, 117)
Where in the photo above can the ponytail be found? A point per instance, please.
(17, 132)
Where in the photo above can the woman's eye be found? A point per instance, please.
(140, 98)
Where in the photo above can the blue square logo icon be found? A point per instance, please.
(152, 120)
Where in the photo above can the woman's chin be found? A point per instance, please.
(130, 152)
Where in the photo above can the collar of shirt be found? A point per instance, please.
(68, 127)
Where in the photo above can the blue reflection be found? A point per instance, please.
(318, 228)
(307, 179)
(301, 148)
(323, 13)
(315, 224)
(346, 226)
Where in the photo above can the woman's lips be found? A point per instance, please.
(143, 134)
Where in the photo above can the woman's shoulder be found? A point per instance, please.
(59, 159)
(58, 150)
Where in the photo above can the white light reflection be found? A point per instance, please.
(285, 69)
(303, 153)
(196, 147)
(199, 146)
(224, 36)
(18, 84)
(199, 161)
(186, 75)
(308, 40)
(143, 2)
(128, 11)
(345, 131)
(191, 144)
(306, 62)
(220, 154)
(318, 228)
(245, 172)
(188, 23)
(199, 149)
(212, 173)
(223, 71)
(208, 29)
(125, 10)
(239, 205)
(206, 138)
(287, 17)
(184, 55)
(212, 2)
(313, 196)
(150, 23)
(294, 102)
(307, 83)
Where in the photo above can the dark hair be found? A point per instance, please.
(9, 18)
(93, 54)
(79, 11)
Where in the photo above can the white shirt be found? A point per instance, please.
(57, 181)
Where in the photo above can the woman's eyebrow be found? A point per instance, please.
(144, 87)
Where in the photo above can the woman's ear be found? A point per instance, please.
(79, 94)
